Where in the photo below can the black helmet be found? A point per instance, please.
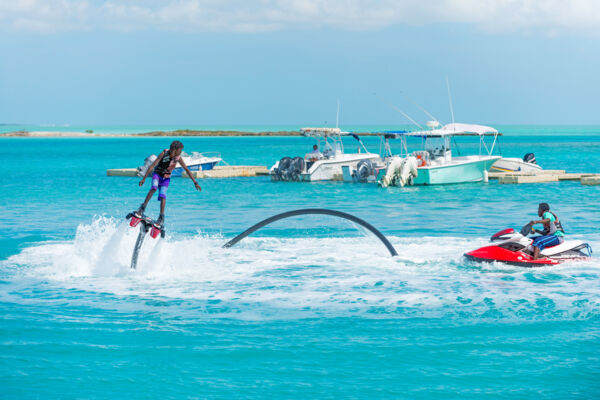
(544, 207)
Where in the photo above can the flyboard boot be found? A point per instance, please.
(158, 227)
(146, 224)
(136, 216)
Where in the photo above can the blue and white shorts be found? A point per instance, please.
(546, 241)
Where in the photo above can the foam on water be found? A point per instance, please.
(305, 276)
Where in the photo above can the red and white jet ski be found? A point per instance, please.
(515, 248)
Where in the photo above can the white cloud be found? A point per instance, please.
(544, 16)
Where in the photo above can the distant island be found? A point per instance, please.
(180, 132)
(189, 132)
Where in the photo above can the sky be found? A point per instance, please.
(288, 62)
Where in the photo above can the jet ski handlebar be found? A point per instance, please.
(527, 229)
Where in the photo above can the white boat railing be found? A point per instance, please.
(210, 154)
(197, 154)
(445, 133)
(329, 140)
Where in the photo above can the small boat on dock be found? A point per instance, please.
(435, 164)
(195, 162)
(528, 164)
(198, 162)
(324, 164)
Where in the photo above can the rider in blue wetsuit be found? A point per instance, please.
(553, 233)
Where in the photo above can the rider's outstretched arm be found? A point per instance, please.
(189, 174)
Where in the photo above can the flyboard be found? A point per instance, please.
(146, 224)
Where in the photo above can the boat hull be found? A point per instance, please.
(514, 165)
(467, 169)
(205, 166)
(331, 170)
(499, 254)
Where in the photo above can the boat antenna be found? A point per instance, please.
(450, 99)
(419, 107)
(337, 116)
(399, 110)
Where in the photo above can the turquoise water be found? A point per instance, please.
(311, 307)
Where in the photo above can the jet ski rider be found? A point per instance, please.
(553, 233)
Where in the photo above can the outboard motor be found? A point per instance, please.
(400, 172)
(280, 171)
(529, 158)
(364, 169)
(141, 170)
(295, 169)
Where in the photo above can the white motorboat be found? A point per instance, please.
(326, 163)
(435, 164)
(527, 165)
(195, 162)
(198, 162)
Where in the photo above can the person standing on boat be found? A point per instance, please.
(315, 154)
(161, 169)
(553, 233)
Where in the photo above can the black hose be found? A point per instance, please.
(320, 211)
(138, 245)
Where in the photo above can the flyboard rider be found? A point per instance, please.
(161, 170)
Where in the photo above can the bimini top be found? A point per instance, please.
(457, 129)
(322, 132)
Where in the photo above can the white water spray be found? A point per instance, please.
(331, 275)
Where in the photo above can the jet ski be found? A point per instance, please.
(515, 248)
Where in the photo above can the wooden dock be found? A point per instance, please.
(222, 171)
(590, 180)
(550, 175)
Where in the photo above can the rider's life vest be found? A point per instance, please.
(166, 164)
(554, 226)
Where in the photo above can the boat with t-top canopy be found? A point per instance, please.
(434, 163)
(326, 162)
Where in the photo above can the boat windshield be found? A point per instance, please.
(438, 147)
(327, 147)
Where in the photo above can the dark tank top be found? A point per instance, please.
(166, 164)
